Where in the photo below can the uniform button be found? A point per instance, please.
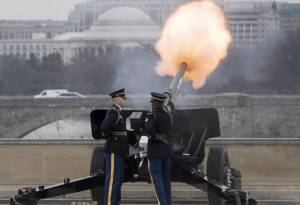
(115, 138)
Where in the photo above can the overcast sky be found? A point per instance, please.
(43, 9)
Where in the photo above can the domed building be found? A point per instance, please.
(119, 25)
(85, 14)
(122, 27)
(125, 24)
(118, 28)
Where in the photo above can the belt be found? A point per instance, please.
(119, 133)
(163, 138)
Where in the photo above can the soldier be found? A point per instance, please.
(158, 124)
(116, 147)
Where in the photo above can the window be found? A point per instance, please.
(68, 95)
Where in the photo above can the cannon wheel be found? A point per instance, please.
(97, 164)
(218, 169)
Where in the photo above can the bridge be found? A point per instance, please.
(241, 116)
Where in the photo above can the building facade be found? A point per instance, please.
(85, 14)
(290, 17)
(17, 29)
(118, 28)
(252, 23)
(113, 26)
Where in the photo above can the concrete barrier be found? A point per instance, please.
(271, 162)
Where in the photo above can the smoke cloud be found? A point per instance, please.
(135, 72)
(196, 34)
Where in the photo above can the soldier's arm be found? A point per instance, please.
(108, 122)
(149, 126)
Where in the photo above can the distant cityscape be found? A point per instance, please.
(94, 27)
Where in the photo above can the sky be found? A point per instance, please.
(44, 9)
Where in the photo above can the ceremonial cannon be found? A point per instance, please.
(192, 128)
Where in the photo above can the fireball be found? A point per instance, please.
(196, 33)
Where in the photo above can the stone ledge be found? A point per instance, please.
(214, 141)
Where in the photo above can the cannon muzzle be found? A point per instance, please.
(175, 85)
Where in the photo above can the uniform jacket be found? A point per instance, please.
(158, 123)
(114, 128)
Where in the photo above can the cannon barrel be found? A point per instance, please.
(175, 85)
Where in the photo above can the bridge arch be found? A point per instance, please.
(20, 116)
(25, 127)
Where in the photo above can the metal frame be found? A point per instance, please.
(189, 173)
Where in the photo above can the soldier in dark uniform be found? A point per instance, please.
(158, 124)
(116, 147)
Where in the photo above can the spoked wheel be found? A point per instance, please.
(219, 171)
(97, 164)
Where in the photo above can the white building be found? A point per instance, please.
(252, 23)
(119, 28)
(27, 29)
(85, 14)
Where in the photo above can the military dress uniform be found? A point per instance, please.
(158, 124)
(115, 151)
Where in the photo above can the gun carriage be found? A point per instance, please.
(192, 128)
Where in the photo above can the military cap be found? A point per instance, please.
(118, 93)
(158, 97)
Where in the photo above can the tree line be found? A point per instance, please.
(271, 68)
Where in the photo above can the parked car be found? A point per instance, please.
(70, 94)
(61, 93)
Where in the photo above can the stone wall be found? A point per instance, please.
(241, 116)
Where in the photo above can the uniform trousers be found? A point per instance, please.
(159, 169)
(114, 178)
